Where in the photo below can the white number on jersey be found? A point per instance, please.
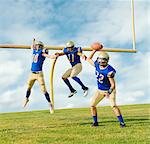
(35, 58)
(71, 57)
(100, 77)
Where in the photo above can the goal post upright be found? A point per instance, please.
(51, 81)
(133, 26)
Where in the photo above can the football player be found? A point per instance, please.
(106, 85)
(73, 54)
(39, 55)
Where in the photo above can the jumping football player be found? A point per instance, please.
(39, 55)
(73, 54)
(106, 85)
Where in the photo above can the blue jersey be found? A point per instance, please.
(38, 60)
(102, 76)
(73, 56)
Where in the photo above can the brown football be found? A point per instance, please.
(96, 46)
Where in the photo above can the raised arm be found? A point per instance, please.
(33, 44)
(89, 59)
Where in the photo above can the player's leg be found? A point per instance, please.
(31, 81)
(85, 89)
(97, 97)
(65, 79)
(75, 71)
(42, 86)
(116, 109)
(43, 89)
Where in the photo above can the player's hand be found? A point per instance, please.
(54, 56)
(57, 54)
(33, 44)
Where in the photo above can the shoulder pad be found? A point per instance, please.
(111, 74)
(65, 50)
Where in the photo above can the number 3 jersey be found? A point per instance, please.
(38, 59)
(102, 76)
(73, 56)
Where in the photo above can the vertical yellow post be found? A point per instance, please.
(133, 25)
(51, 82)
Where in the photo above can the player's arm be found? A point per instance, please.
(89, 59)
(33, 44)
(59, 54)
(49, 56)
(45, 54)
(80, 53)
(112, 83)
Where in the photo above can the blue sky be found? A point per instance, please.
(83, 21)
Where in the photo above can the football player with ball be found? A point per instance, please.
(105, 74)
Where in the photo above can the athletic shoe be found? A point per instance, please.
(85, 91)
(51, 108)
(25, 102)
(122, 125)
(72, 94)
(95, 124)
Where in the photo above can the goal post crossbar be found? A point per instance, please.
(9, 46)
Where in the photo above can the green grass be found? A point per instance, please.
(72, 126)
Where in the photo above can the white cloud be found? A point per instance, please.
(10, 73)
(11, 100)
(133, 87)
(112, 25)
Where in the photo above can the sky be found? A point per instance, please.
(55, 22)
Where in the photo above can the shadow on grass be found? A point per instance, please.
(89, 124)
(137, 120)
(127, 120)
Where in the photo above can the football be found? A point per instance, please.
(96, 46)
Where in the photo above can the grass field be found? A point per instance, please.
(72, 126)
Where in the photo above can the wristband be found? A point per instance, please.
(110, 90)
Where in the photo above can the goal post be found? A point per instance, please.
(51, 81)
(133, 50)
